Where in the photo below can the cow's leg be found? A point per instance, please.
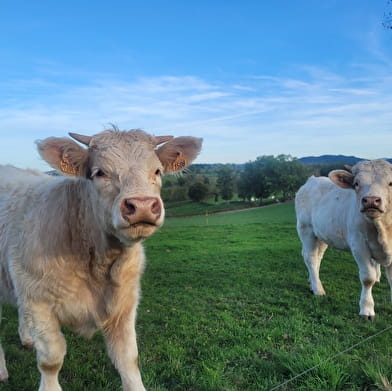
(3, 367)
(322, 247)
(378, 270)
(49, 343)
(313, 250)
(122, 347)
(368, 275)
(24, 329)
(388, 272)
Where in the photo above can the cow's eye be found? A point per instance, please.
(390, 184)
(158, 172)
(98, 173)
(356, 184)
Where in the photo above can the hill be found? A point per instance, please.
(330, 159)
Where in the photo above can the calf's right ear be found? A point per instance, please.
(342, 178)
(64, 155)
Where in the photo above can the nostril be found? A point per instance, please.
(128, 207)
(156, 207)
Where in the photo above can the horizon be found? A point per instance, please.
(306, 157)
(305, 79)
(195, 163)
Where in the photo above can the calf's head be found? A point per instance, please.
(125, 168)
(372, 182)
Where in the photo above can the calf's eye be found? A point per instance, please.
(98, 173)
(158, 172)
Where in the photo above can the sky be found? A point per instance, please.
(251, 77)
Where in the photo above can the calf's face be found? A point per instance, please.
(372, 182)
(125, 168)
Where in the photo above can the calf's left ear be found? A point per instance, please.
(342, 178)
(64, 155)
(178, 153)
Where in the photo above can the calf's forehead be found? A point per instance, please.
(118, 150)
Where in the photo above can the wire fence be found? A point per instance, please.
(334, 356)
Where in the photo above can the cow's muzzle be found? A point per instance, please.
(372, 206)
(141, 211)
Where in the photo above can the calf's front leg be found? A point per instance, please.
(49, 343)
(121, 301)
(24, 328)
(121, 342)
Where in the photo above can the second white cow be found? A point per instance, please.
(349, 211)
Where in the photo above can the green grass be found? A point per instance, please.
(276, 213)
(226, 307)
(189, 208)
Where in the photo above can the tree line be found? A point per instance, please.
(266, 179)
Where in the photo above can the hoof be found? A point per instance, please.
(3, 376)
(368, 317)
(28, 345)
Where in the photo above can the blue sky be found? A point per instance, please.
(306, 77)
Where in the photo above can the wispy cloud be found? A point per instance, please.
(319, 112)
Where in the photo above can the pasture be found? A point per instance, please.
(225, 307)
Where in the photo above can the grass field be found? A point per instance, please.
(188, 208)
(226, 307)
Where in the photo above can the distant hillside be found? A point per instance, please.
(333, 159)
(330, 159)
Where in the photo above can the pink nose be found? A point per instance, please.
(141, 210)
(371, 202)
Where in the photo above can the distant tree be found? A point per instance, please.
(387, 21)
(167, 182)
(244, 188)
(198, 192)
(226, 181)
(253, 181)
(179, 194)
(268, 176)
(181, 181)
(291, 175)
(166, 193)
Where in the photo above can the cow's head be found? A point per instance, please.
(372, 182)
(125, 168)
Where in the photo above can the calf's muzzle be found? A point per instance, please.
(141, 210)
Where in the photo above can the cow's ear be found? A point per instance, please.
(179, 153)
(64, 155)
(342, 178)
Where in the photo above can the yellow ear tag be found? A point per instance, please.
(66, 166)
(179, 163)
